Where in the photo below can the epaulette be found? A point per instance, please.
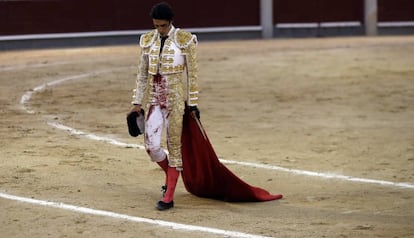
(184, 38)
(147, 39)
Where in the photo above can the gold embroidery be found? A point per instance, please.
(153, 60)
(166, 69)
(152, 69)
(183, 38)
(169, 51)
(176, 108)
(192, 75)
(180, 44)
(147, 39)
(167, 60)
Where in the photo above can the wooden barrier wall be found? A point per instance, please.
(61, 16)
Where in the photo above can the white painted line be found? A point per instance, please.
(248, 164)
(59, 63)
(72, 35)
(133, 33)
(224, 29)
(166, 224)
(28, 95)
(26, 98)
(93, 137)
(396, 24)
(321, 175)
(297, 25)
(341, 24)
(39, 65)
(318, 24)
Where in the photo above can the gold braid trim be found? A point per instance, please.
(183, 38)
(147, 39)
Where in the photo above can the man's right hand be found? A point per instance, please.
(135, 108)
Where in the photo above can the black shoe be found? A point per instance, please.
(164, 190)
(164, 205)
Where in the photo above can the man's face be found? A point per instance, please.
(163, 26)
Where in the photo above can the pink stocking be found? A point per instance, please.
(164, 165)
(172, 177)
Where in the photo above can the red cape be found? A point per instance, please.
(205, 176)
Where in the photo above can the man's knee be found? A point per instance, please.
(156, 154)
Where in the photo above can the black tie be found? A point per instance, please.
(163, 42)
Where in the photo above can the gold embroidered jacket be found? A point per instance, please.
(178, 57)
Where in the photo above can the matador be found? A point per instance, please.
(166, 84)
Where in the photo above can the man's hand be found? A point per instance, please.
(135, 108)
(195, 113)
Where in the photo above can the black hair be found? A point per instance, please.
(162, 11)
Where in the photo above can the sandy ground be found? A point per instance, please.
(341, 106)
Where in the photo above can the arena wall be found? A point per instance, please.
(62, 16)
(118, 22)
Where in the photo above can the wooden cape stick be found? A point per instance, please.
(200, 127)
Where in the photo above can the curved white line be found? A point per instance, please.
(93, 137)
(26, 97)
(24, 102)
(58, 63)
(321, 175)
(167, 224)
(248, 164)
(39, 65)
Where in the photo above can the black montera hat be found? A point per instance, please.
(135, 123)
